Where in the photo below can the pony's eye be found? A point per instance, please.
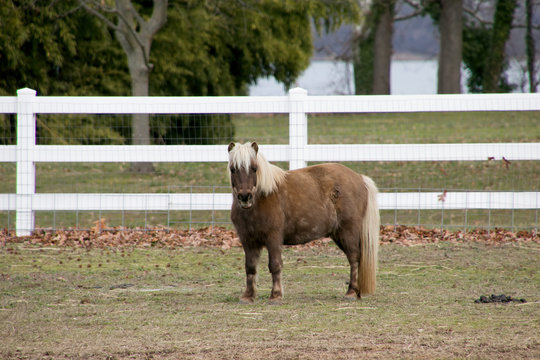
(254, 168)
(232, 170)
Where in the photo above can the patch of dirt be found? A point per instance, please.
(101, 236)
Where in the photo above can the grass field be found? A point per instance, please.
(130, 303)
(477, 127)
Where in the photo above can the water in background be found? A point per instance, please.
(407, 77)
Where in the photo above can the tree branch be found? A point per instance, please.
(407, 17)
(125, 26)
(474, 15)
(99, 15)
(159, 16)
(127, 7)
(68, 12)
(415, 5)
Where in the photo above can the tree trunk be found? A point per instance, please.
(504, 14)
(363, 63)
(135, 35)
(529, 41)
(382, 47)
(373, 50)
(140, 123)
(451, 30)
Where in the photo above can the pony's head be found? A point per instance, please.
(251, 174)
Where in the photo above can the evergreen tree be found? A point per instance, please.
(206, 48)
(56, 50)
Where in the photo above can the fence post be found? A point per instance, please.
(26, 170)
(297, 128)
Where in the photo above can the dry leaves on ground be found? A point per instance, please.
(103, 236)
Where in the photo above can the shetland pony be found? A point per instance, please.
(272, 207)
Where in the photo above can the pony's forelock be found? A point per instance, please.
(240, 156)
(268, 176)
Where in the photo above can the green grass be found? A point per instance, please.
(475, 127)
(424, 128)
(183, 303)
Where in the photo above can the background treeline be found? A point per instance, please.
(472, 34)
(220, 47)
(205, 48)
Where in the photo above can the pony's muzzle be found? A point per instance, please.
(245, 200)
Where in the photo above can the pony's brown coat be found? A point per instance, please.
(327, 200)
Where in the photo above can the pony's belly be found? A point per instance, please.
(299, 240)
(303, 236)
(312, 221)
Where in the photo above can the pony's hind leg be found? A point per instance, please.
(252, 255)
(353, 292)
(347, 243)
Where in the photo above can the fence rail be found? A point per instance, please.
(315, 152)
(517, 200)
(297, 152)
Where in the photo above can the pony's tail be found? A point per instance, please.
(369, 242)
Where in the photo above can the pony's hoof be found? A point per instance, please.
(246, 301)
(274, 301)
(351, 297)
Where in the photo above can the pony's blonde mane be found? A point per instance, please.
(268, 176)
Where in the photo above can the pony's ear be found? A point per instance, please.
(231, 146)
(255, 147)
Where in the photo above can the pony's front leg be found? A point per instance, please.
(252, 255)
(275, 264)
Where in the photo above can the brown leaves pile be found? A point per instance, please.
(102, 236)
(418, 235)
(120, 237)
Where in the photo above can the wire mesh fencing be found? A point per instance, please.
(192, 167)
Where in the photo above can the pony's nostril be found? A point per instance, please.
(245, 197)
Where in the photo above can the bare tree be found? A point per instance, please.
(448, 15)
(382, 47)
(135, 35)
(450, 27)
(372, 52)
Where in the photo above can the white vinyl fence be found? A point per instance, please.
(297, 152)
